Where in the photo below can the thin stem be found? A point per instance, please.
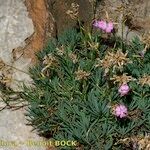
(17, 69)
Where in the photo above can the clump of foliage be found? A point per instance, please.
(76, 90)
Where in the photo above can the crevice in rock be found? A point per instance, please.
(43, 29)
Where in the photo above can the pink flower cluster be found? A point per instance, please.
(124, 89)
(121, 111)
(103, 25)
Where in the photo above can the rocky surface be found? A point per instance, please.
(67, 12)
(16, 27)
(26, 26)
(43, 27)
(15, 134)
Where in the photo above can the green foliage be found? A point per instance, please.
(64, 107)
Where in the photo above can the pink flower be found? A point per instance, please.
(110, 27)
(121, 111)
(107, 27)
(124, 89)
(102, 25)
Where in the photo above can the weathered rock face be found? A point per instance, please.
(66, 12)
(15, 26)
(25, 27)
(43, 26)
(14, 130)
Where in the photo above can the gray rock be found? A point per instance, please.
(15, 27)
(15, 134)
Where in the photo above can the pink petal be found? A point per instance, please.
(109, 27)
(122, 115)
(121, 111)
(123, 108)
(102, 24)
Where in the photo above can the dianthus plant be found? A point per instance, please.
(91, 88)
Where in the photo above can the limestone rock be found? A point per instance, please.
(15, 27)
(26, 25)
(20, 74)
(15, 134)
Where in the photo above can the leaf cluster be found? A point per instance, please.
(62, 107)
